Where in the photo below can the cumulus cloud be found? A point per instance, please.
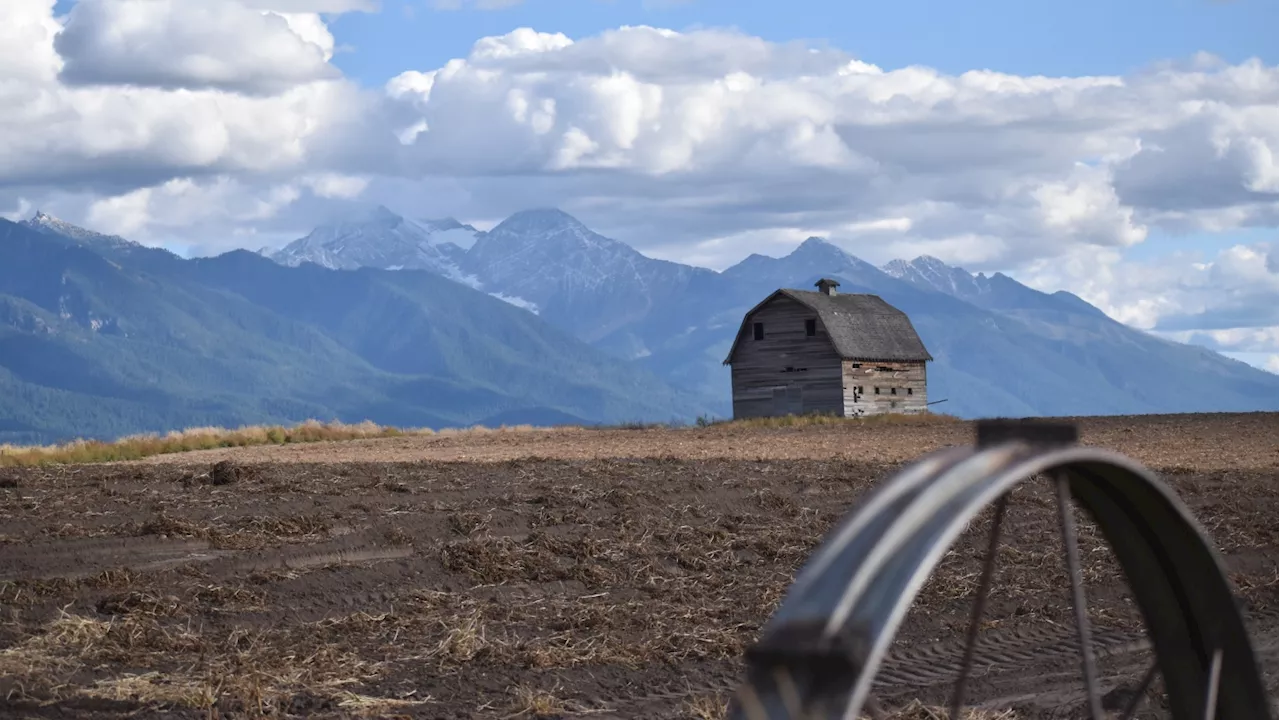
(173, 44)
(110, 139)
(178, 203)
(711, 133)
(1228, 302)
(224, 120)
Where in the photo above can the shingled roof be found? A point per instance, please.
(861, 327)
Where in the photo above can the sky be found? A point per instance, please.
(1126, 152)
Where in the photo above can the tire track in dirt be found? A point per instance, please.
(323, 558)
(922, 666)
(906, 671)
(81, 558)
(1062, 693)
(85, 557)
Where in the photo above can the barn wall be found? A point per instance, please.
(903, 387)
(762, 385)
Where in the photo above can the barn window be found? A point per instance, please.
(810, 327)
(893, 391)
(877, 391)
(757, 331)
(909, 391)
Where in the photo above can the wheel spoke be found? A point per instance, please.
(788, 691)
(979, 605)
(1211, 693)
(1067, 521)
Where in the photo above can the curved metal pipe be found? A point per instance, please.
(834, 627)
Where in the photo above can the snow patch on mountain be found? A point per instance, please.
(383, 239)
(582, 281)
(518, 302)
(929, 272)
(49, 225)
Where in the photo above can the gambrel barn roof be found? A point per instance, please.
(861, 327)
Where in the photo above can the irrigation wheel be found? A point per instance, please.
(818, 655)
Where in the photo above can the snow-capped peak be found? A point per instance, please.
(930, 272)
(48, 224)
(897, 268)
(381, 238)
(550, 229)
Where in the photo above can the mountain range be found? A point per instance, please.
(539, 320)
(103, 337)
(1000, 347)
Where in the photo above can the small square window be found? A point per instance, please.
(877, 391)
(909, 391)
(757, 331)
(893, 391)
(810, 327)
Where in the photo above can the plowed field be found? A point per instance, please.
(602, 573)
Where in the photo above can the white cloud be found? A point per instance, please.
(151, 212)
(334, 185)
(1228, 303)
(213, 122)
(21, 210)
(218, 44)
(711, 133)
(111, 139)
(1239, 340)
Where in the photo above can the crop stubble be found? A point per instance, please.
(545, 572)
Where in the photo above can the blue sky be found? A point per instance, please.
(1052, 38)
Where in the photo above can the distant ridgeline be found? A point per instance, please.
(538, 321)
(99, 340)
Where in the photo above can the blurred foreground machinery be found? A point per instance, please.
(819, 654)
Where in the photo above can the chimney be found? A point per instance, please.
(827, 286)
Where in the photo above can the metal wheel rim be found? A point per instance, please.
(828, 638)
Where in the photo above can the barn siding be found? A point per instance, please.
(888, 376)
(762, 387)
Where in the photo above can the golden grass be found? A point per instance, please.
(532, 702)
(137, 447)
(707, 707)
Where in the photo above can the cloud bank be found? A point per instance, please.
(210, 123)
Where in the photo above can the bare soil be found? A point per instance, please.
(614, 573)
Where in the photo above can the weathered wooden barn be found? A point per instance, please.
(801, 352)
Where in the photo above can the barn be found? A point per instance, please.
(801, 352)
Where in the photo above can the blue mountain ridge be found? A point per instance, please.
(99, 341)
(591, 331)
